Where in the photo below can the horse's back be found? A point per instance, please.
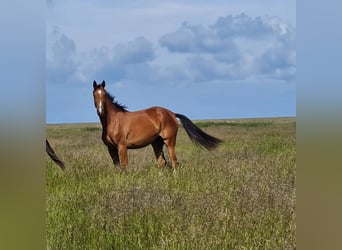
(162, 119)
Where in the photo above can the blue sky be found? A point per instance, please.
(205, 59)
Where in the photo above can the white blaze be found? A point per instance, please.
(100, 107)
(100, 104)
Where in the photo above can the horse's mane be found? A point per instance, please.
(121, 107)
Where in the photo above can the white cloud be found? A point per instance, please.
(123, 60)
(65, 64)
(194, 39)
(215, 44)
(138, 51)
(61, 56)
(234, 47)
(241, 26)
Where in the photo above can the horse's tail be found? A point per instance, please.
(197, 135)
(53, 155)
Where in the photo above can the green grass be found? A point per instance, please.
(240, 196)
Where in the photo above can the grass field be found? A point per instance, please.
(240, 196)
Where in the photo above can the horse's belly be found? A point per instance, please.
(140, 142)
(132, 146)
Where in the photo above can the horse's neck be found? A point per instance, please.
(109, 112)
(103, 119)
(111, 108)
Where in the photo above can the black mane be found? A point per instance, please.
(121, 107)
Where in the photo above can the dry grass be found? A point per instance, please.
(241, 196)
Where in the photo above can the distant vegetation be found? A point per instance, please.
(240, 196)
(232, 124)
(91, 129)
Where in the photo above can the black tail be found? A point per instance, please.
(53, 155)
(197, 135)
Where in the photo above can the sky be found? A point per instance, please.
(204, 59)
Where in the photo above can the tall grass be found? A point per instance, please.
(241, 196)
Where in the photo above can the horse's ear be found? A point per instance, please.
(103, 84)
(94, 84)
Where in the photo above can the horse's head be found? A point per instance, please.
(99, 94)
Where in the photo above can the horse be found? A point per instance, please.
(156, 126)
(53, 155)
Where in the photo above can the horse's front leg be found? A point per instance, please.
(123, 155)
(113, 151)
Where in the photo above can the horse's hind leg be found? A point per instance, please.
(171, 145)
(158, 151)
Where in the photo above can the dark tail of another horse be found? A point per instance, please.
(53, 155)
(197, 135)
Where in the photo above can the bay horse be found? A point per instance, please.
(122, 130)
(53, 155)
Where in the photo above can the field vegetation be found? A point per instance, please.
(239, 196)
